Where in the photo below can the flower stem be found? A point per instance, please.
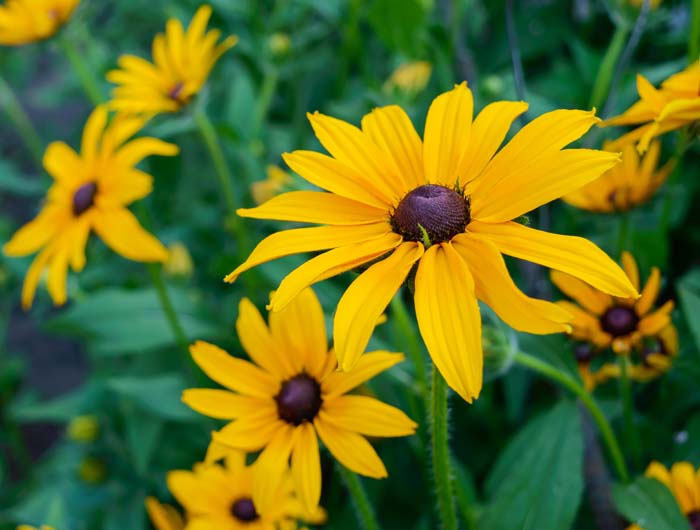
(439, 424)
(363, 508)
(694, 37)
(577, 389)
(603, 79)
(29, 135)
(627, 409)
(84, 73)
(412, 345)
(155, 272)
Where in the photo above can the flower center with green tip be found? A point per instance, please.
(431, 214)
(299, 399)
(694, 519)
(244, 510)
(84, 198)
(584, 353)
(619, 321)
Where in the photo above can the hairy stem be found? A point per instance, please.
(363, 508)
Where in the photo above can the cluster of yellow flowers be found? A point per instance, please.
(438, 212)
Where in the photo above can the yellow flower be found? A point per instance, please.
(653, 4)
(163, 516)
(179, 261)
(445, 207)
(90, 192)
(26, 21)
(28, 527)
(410, 77)
(658, 111)
(182, 61)
(604, 320)
(277, 180)
(656, 354)
(238, 497)
(625, 185)
(683, 480)
(294, 395)
(280, 44)
(84, 428)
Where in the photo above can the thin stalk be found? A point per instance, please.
(411, 342)
(363, 508)
(577, 389)
(439, 425)
(516, 58)
(29, 135)
(694, 37)
(156, 275)
(631, 439)
(88, 81)
(267, 92)
(603, 80)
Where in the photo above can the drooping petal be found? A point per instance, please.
(306, 466)
(351, 450)
(222, 404)
(136, 150)
(121, 231)
(496, 288)
(37, 232)
(366, 299)
(31, 279)
(58, 273)
(630, 266)
(592, 299)
(449, 319)
(369, 365)
(366, 415)
(446, 135)
(650, 292)
(574, 255)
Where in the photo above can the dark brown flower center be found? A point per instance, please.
(244, 510)
(431, 214)
(652, 346)
(694, 519)
(619, 321)
(299, 399)
(84, 198)
(175, 93)
(584, 353)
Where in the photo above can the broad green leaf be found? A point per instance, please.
(689, 294)
(399, 23)
(537, 482)
(159, 394)
(142, 431)
(649, 504)
(60, 409)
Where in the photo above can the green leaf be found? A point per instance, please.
(61, 409)
(159, 394)
(142, 432)
(537, 482)
(404, 32)
(689, 294)
(118, 321)
(13, 181)
(650, 504)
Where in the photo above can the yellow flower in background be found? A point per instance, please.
(628, 184)
(410, 77)
(163, 516)
(604, 320)
(179, 261)
(85, 428)
(182, 61)
(592, 376)
(277, 180)
(443, 206)
(683, 480)
(28, 527)
(26, 21)
(91, 191)
(293, 395)
(658, 111)
(234, 496)
(656, 354)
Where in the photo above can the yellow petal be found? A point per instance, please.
(684, 486)
(366, 415)
(121, 231)
(630, 267)
(351, 450)
(133, 152)
(236, 374)
(366, 299)
(63, 164)
(198, 25)
(162, 516)
(306, 467)
(31, 279)
(92, 133)
(585, 326)
(449, 319)
(222, 404)
(369, 365)
(659, 472)
(654, 322)
(58, 272)
(592, 299)
(446, 135)
(37, 232)
(574, 255)
(193, 493)
(650, 292)
(249, 433)
(315, 207)
(496, 288)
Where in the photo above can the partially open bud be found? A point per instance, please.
(280, 44)
(499, 345)
(179, 262)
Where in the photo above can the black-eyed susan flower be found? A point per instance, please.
(618, 322)
(443, 207)
(658, 111)
(626, 185)
(26, 21)
(411, 77)
(235, 496)
(294, 395)
(91, 191)
(275, 183)
(182, 62)
(654, 355)
(164, 516)
(683, 480)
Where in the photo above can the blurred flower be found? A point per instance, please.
(90, 192)
(163, 516)
(28, 527)
(626, 185)
(443, 207)
(84, 428)
(683, 480)
(410, 77)
(673, 106)
(653, 4)
(239, 497)
(26, 21)
(280, 44)
(277, 180)
(92, 470)
(585, 354)
(179, 261)
(295, 395)
(604, 320)
(656, 355)
(182, 63)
